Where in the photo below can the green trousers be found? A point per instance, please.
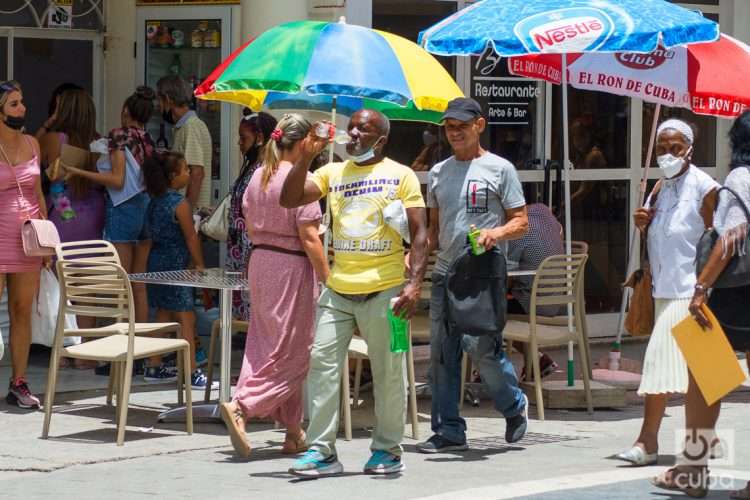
(337, 318)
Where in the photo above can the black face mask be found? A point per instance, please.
(15, 122)
(251, 155)
(166, 115)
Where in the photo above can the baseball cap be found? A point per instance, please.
(463, 109)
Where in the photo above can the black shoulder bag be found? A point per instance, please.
(737, 272)
(475, 293)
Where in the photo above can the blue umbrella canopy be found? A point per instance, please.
(523, 27)
(519, 27)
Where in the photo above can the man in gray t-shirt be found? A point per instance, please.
(471, 187)
(476, 191)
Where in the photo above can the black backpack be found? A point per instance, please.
(475, 293)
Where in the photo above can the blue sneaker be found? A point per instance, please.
(314, 464)
(201, 358)
(383, 462)
(159, 374)
(199, 380)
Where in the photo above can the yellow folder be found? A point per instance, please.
(709, 357)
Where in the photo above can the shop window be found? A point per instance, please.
(41, 64)
(3, 58)
(407, 18)
(598, 128)
(601, 219)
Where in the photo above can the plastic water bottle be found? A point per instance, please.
(399, 329)
(474, 233)
(327, 130)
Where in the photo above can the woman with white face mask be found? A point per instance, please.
(673, 220)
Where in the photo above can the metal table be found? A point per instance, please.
(214, 279)
(525, 272)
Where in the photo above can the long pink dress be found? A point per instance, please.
(283, 291)
(15, 208)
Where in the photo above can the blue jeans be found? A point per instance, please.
(125, 222)
(446, 351)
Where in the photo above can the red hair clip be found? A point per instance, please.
(277, 134)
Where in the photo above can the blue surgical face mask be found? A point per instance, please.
(367, 155)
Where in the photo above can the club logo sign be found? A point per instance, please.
(645, 61)
(576, 29)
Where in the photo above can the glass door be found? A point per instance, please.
(4, 55)
(189, 42)
(42, 59)
(190, 49)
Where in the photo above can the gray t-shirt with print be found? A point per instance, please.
(471, 192)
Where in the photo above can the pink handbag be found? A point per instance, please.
(39, 238)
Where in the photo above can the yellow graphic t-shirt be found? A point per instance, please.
(369, 254)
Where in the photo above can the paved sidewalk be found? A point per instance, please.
(562, 457)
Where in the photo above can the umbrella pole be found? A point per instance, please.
(568, 232)
(327, 218)
(333, 120)
(641, 199)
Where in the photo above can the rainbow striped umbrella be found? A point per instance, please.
(306, 64)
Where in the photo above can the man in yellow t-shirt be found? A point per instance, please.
(368, 272)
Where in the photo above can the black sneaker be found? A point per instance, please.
(515, 427)
(438, 444)
(157, 374)
(102, 369)
(138, 367)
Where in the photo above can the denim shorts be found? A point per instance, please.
(125, 222)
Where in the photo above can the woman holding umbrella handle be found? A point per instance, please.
(672, 222)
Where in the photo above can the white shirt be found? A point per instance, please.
(674, 233)
(729, 212)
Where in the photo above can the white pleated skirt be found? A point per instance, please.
(664, 367)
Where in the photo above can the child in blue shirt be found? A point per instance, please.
(174, 244)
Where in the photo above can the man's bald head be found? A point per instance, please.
(376, 118)
(369, 131)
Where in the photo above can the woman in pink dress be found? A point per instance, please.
(20, 199)
(286, 264)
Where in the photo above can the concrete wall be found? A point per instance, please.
(119, 58)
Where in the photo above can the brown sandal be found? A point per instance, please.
(234, 419)
(690, 480)
(294, 446)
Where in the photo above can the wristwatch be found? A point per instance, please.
(700, 287)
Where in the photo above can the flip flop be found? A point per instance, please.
(638, 457)
(668, 483)
(232, 416)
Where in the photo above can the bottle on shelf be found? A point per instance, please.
(175, 67)
(161, 141)
(194, 82)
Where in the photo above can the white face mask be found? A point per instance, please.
(670, 165)
(366, 156)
